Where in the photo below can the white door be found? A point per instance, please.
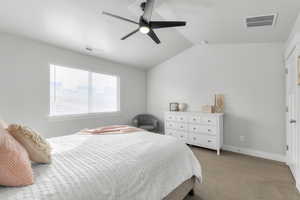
(291, 117)
(291, 127)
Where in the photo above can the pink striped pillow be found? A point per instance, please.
(15, 166)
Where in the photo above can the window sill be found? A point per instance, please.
(54, 118)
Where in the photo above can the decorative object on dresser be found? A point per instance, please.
(208, 109)
(182, 107)
(219, 103)
(174, 107)
(196, 128)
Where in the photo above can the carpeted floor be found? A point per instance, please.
(232, 176)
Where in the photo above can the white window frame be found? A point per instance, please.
(88, 115)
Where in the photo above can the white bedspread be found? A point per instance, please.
(139, 166)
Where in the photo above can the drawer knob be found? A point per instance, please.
(194, 128)
(181, 126)
(208, 130)
(209, 141)
(181, 136)
(194, 119)
(209, 121)
(194, 138)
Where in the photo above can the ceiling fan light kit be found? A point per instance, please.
(144, 29)
(145, 24)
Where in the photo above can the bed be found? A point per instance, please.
(140, 165)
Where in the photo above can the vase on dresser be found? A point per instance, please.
(196, 128)
(182, 107)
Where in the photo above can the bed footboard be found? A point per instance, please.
(186, 188)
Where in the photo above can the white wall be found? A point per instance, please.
(252, 78)
(24, 85)
(294, 32)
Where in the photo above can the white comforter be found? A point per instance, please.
(139, 166)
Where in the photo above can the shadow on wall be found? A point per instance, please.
(238, 130)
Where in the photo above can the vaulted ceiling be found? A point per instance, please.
(76, 24)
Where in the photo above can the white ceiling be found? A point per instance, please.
(75, 24)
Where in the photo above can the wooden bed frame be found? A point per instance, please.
(186, 188)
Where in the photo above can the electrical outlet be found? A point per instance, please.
(242, 138)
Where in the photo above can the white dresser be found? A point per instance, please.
(196, 128)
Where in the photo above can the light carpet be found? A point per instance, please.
(233, 176)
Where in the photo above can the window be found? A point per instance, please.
(75, 91)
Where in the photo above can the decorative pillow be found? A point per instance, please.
(39, 149)
(15, 166)
(3, 125)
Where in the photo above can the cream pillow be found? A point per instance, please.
(3, 124)
(39, 149)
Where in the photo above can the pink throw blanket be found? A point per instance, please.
(116, 129)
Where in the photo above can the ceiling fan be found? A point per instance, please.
(145, 24)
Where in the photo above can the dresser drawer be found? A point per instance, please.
(182, 136)
(181, 118)
(209, 120)
(195, 119)
(177, 134)
(171, 125)
(194, 128)
(203, 140)
(181, 126)
(171, 117)
(203, 129)
(170, 132)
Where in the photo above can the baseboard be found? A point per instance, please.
(251, 152)
(298, 186)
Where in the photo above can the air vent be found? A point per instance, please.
(259, 21)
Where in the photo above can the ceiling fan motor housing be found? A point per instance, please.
(143, 23)
(143, 6)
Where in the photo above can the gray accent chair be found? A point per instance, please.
(146, 122)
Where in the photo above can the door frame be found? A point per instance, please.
(293, 57)
(298, 117)
(291, 114)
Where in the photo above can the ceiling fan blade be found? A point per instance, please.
(118, 17)
(148, 10)
(154, 36)
(130, 34)
(166, 24)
